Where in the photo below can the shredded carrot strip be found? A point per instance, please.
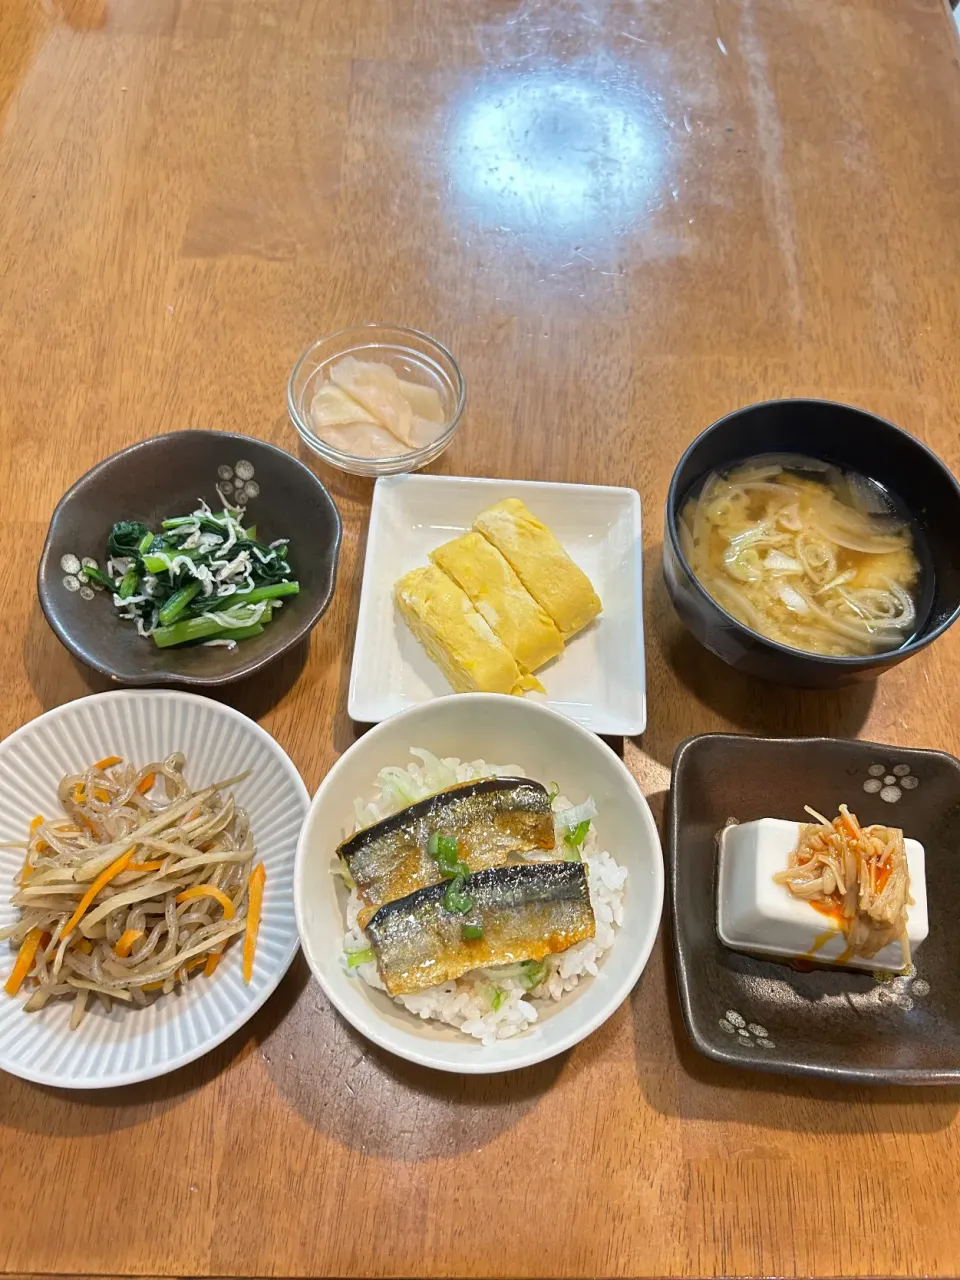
(152, 986)
(125, 943)
(78, 793)
(213, 959)
(254, 907)
(26, 871)
(108, 762)
(100, 794)
(28, 949)
(195, 963)
(102, 879)
(146, 783)
(849, 823)
(84, 945)
(35, 822)
(146, 866)
(41, 846)
(209, 891)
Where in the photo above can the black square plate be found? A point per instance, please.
(832, 1023)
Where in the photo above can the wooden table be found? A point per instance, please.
(625, 220)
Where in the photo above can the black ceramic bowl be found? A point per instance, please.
(848, 438)
(165, 476)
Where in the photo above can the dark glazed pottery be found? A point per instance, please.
(164, 476)
(846, 437)
(832, 1023)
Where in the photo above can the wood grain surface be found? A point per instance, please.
(625, 219)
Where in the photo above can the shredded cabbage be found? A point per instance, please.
(567, 819)
(399, 788)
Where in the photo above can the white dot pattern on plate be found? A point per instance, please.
(755, 1029)
(901, 770)
(727, 1027)
(889, 780)
(921, 988)
(127, 1045)
(736, 1019)
(877, 770)
(909, 783)
(872, 786)
(890, 794)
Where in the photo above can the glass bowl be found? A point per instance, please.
(412, 355)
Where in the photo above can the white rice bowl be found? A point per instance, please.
(455, 1026)
(494, 1003)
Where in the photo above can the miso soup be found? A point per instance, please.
(807, 555)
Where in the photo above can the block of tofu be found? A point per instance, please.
(455, 636)
(756, 914)
(559, 587)
(501, 599)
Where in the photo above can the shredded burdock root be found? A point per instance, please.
(856, 875)
(141, 882)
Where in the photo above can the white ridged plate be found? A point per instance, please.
(129, 1044)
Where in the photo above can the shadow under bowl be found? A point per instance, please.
(163, 477)
(850, 439)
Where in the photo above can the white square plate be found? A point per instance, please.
(599, 680)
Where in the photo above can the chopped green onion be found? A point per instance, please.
(251, 533)
(128, 583)
(455, 899)
(553, 790)
(444, 849)
(532, 973)
(145, 542)
(496, 1000)
(574, 839)
(177, 603)
(355, 958)
(471, 931)
(447, 848)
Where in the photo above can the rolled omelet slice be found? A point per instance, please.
(560, 588)
(501, 599)
(455, 636)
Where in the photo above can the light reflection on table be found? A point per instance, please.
(553, 151)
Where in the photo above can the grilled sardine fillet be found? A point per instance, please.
(501, 599)
(491, 820)
(559, 587)
(455, 636)
(526, 913)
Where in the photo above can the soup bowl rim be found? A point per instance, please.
(920, 641)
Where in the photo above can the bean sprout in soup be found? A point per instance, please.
(805, 554)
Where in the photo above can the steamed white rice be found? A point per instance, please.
(493, 1004)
